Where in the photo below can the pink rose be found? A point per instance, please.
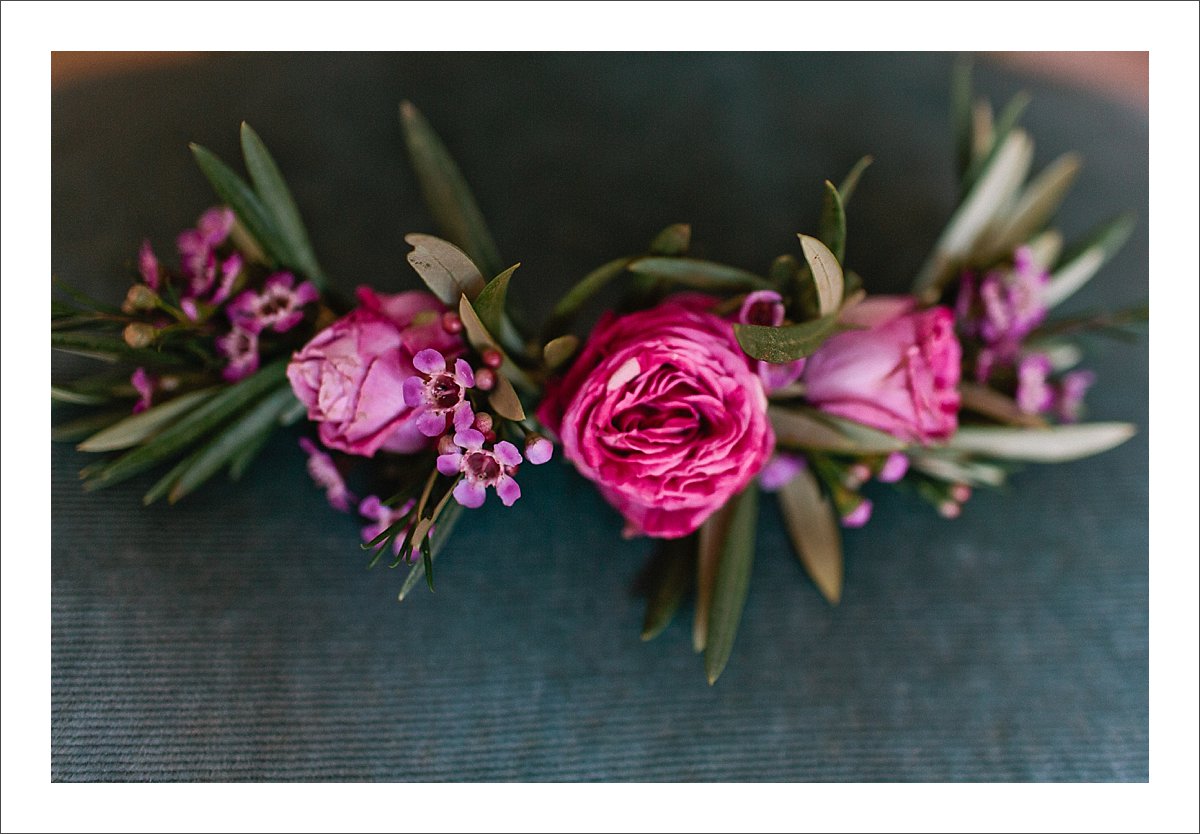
(351, 375)
(899, 373)
(664, 413)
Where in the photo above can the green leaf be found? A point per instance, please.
(710, 541)
(190, 428)
(1045, 248)
(826, 272)
(246, 204)
(833, 222)
(846, 189)
(672, 241)
(991, 403)
(231, 441)
(504, 400)
(697, 274)
(1034, 208)
(569, 305)
(481, 339)
(447, 270)
(732, 582)
(491, 305)
(999, 181)
(787, 343)
(277, 202)
(75, 430)
(135, 429)
(812, 525)
(446, 193)
(558, 351)
(960, 108)
(1086, 257)
(111, 349)
(1006, 122)
(959, 470)
(62, 394)
(1051, 445)
(812, 430)
(669, 575)
(240, 462)
(441, 534)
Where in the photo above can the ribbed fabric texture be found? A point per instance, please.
(237, 636)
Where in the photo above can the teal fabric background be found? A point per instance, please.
(238, 637)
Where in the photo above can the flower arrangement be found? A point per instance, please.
(706, 385)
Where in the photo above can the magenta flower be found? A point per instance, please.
(437, 394)
(384, 517)
(278, 307)
(780, 470)
(1034, 392)
(860, 515)
(148, 265)
(197, 249)
(145, 385)
(538, 449)
(765, 307)
(481, 468)
(894, 468)
(325, 474)
(240, 347)
(1001, 308)
(1070, 395)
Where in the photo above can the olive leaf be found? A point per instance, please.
(669, 575)
(786, 343)
(850, 183)
(1050, 445)
(991, 403)
(697, 274)
(558, 351)
(569, 305)
(812, 525)
(826, 272)
(672, 241)
(446, 270)
(1035, 206)
(713, 533)
(809, 429)
(732, 582)
(133, 430)
(832, 223)
(959, 470)
(1085, 258)
(502, 396)
(491, 304)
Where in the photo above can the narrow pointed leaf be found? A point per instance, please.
(672, 241)
(1004, 126)
(1034, 208)
(491, 304)
(83, 427)
(1045, 248)
(710, 542)
(732, 583)
(246, 204)
(850, 183)
(697, 274)
(812, 525)
(808, 429)
(1051, 445)
(960, 471)
(133, 430)
(111, 349)
(784, 344)
(991, 403)
(447, 270)
(826, 270)
(558, 351)
(671, 574)
(441, 534)
(481, 339)
(446, 192)
(833, 223)
(1085, 259)
(278, 202)
(569, 305)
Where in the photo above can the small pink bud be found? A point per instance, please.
(960, 493)
(894, 468)
(139, 299)
(538, 449)
(859, 516)
(451, 323)
(857, 475)
(949, 509)
(139, 335)
(492, 358)
(489, 436)
(485, 379)
(483, 422)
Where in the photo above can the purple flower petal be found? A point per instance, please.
(538, 450)
(779, 471)
(414, 391)
(763, 307)
(449, 465)
(507, 453)
(464, 416)
(469, 439)
(429, 362)
(279, 281)
(463, 374)
(229, 273)
(508, 490)
(431, 424)
(894, 468)
(286, 322)
(470, 494)
(326, 475)
(144, 384)
(148, 265)
(306, 293)
(215, 225)
(859, 516)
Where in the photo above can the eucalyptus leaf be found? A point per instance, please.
(481, 339)
(246, 204)
(826, 271)
(1085, 259)
(833, 222)
(697, 274)
(134, 429)
(190, 427)
(998, 182)
(670, 575)
(446, 193)
(732, 582)
(991, 403)
(222, 449)
(569, 305)
(558, 351)
(809, 429)
(673, 240)
(441, 534)
(711, 540)
(1051, 445)
(446, 270)
(278, 202)
(812, 525)
(850, 183)
(786, 343)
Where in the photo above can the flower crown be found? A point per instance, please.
(705, 386)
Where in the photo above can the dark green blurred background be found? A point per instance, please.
(238, 636)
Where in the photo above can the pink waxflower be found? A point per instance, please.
(1071, 393)
(145, 385)
(664, 413)
(1035, 395)
(197, 249)
(860, 515)
(898, 371)
(765, 307)
(351, 375)
(384, 517)
(148, 266)
(240, 347)
(326, 475)
(436, 394)
(538, 449)
(894, 468)
(278, 307)
(1001, 308)
(481, 468)
(780, 470)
